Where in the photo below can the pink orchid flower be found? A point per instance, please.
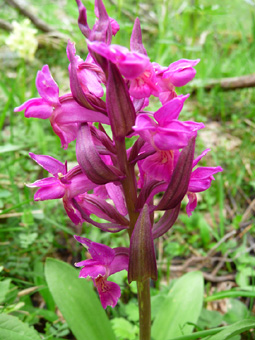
(200, 180)
(176, 74)
(167, 133)
(64, 184)
(104, 262)
(64, 113)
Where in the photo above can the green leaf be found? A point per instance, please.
(124, 329)
(236, 310)
(234, 329)
(11, 328)
(10, 148)
(230, 294)
(77, 302)
(4, 288)
(209, 319)
(182, 305)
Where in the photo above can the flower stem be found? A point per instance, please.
(144, 300)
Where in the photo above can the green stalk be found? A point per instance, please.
(144, 301)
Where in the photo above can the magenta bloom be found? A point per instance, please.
(89, 74)
(130, 64)
(64, 113)
(64, 184)
(176, 74)
(104, 262)
(167, 133)
(200, 180)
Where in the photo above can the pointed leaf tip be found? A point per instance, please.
(179, 183)
(142, 259)
(120, 108)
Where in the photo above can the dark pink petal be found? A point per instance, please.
(109, 292)
(116, 194)
(109, 227)
(72, 213)
(82, 20)
(47, 87)
(79, 184)
(98, 251)
(175, 135)
(93, 271)
(90, 161)
(144, 85)
(102, 30)
(200, 157)
(159, 166)
(99, 207)
(142, 259)
(45, 182)
(136, 43)
(192, 203)
(182, 64)
(66, 132)
(144, 126)
(148, 190)
(120, 108)
(181, 72)
(130, 64)
(49, 163)
(49, 193)
(178, 185)
(71, 112)
(36, 108)
(170, 110)
(115, 26)
(120, 262)
(202, 177)
(166, 222)
(84, 99)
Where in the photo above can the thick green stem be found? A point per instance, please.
(144, 300)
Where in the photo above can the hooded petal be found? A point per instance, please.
(47, 87)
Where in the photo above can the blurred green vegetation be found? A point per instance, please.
(222, 35)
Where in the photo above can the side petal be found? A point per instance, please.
(49, 193)
(36, 108)
(170, 110)
(49, 163)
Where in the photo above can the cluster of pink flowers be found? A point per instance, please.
(105, 182)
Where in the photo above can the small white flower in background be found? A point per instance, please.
(23, 39)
